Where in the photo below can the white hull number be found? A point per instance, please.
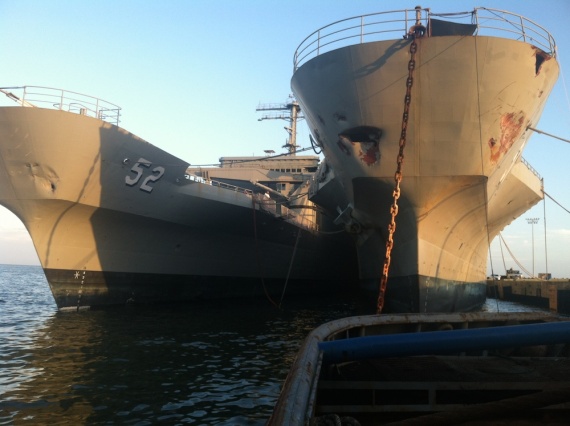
(146, 185)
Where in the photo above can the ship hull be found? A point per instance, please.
(114, 220)
(463, 181)
(426, 294)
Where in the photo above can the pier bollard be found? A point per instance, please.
(553, 297)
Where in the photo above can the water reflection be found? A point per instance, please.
(206, 363)
(215, 363)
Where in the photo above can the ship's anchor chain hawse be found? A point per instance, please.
(416, 31)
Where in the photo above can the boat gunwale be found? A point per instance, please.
(296, 399)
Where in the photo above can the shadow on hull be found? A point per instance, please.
(420, 294)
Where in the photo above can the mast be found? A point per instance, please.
(293, 114)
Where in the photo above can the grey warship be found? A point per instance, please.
(116, 220)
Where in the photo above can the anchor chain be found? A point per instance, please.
(398, 174)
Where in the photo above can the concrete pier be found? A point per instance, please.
(553, 294)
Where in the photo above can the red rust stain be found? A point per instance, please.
(369, 153)
(511, 125)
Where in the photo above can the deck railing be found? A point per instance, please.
(268, 205)
(532, 169)
(65, 100)
(397, 24)
(219, 184)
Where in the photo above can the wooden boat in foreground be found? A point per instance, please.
(431, 369)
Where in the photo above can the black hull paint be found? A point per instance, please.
(81, 289)
(420, 294)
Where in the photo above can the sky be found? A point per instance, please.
(190, 74)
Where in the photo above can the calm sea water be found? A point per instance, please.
(203, 364)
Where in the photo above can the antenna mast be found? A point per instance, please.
(293, 114)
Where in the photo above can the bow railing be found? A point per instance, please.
(65, 100)
(398, 23)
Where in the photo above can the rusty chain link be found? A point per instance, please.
(398, 175)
